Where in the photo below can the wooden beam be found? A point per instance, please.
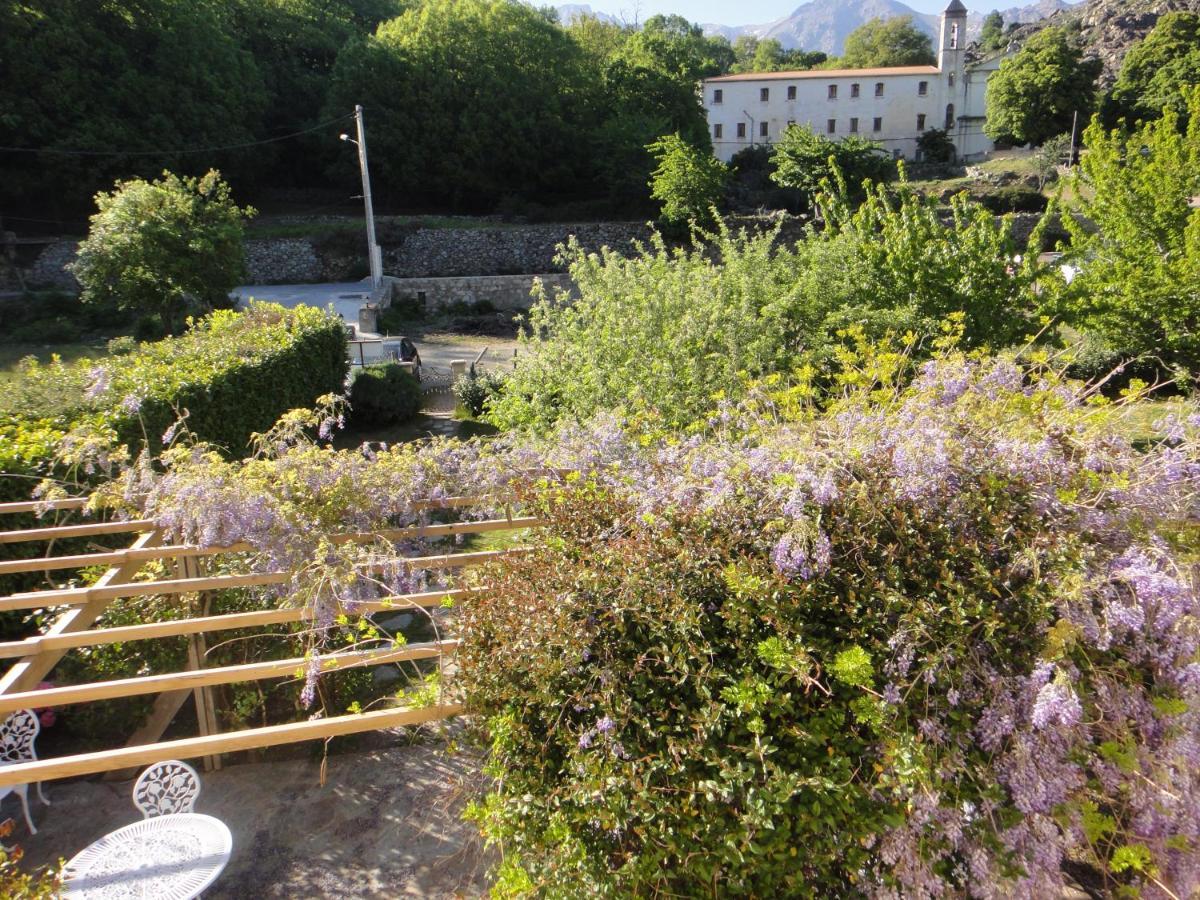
(67, 531)
(80, 596)
(172, 681)
(225, 622)
(35, 506)
(27, 672)
(251, 738)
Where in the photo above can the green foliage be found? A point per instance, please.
(121, 76)
(754, 54)
(935, 146)
(503, 67)
(1157, 69)
(475, 392)
(688, 181)
(1053, 153)
(384, 394)
(1136, 241)
(807, 161)
(887, 42)
(170, 247)
(661, 333)
(233, 374)
(991, 34)
(1036, 92)
(18, 883)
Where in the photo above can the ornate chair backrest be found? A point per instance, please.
(17, 734)
(166, 788)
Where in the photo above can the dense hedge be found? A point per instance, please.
(384, 394)
(233, 373)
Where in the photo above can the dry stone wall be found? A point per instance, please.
(508, 292)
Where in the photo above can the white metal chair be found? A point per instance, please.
(17, 734)
(166, 788)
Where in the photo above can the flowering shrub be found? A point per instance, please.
(940, 639)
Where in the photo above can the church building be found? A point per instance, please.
(892, 105)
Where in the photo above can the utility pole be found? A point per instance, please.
(374, 256)
(1074, 125)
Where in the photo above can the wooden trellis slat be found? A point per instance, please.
(225, 622)
(89, 529)
(154, 684)
(33, 506)
(249, 739)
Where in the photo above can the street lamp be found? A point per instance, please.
(374, 255)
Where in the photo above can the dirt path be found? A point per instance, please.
(387, 823)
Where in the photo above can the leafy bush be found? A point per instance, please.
(384, 394)
(1013, 199)
(688, 180)
(475, 391)
(664, 331)
(1137, 246)
(809, 162)
(935, 146)
(936, 641)
(163, 246)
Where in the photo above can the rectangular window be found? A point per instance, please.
(951, 79)
(854, 90)
(922, 88)
(854, 126)
(718, 95)
(741, 129)
(762, 130)
(791, 92)
(717, 132)
(879, 89)
(764, 94)
(833, 92)
(878, 124)
(831, 126)
(920, 121)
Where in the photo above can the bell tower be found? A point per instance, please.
(953, 37)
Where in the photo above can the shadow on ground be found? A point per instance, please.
(386, 823)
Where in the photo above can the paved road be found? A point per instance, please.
(437, 349)
(346, 296)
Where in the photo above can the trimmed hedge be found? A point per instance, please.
(234, 374)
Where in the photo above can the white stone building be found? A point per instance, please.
(892, 106)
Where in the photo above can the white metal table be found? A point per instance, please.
(164, 858)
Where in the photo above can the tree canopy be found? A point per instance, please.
(753, 54)
(1036, 93)
(805, 160)
(991, 33)
(887, 42)
(164, 247)
(687, 182)
(1156, 71)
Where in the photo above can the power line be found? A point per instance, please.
(176, 152)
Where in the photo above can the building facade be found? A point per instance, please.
(892, 106)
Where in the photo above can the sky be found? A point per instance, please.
(746, 12)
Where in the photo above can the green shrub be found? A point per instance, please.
(384, 394)
(122, 346)
(1013, 199)
(59, 330)
(475, 391)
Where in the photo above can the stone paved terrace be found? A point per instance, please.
(387, 822)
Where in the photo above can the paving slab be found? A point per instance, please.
(385, 823)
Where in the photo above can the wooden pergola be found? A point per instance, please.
(79, 609)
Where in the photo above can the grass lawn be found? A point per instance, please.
(11, 354)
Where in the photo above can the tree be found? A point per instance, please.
(1035, 93)
(754, 54)
(687, 182)
(805, 160)
(1156, 70)
(1052, 154)
(935, 146)
(1137, 240)
(887, 42)
(115, 77)
(991, 34)
(471, 101)
(164, 247)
